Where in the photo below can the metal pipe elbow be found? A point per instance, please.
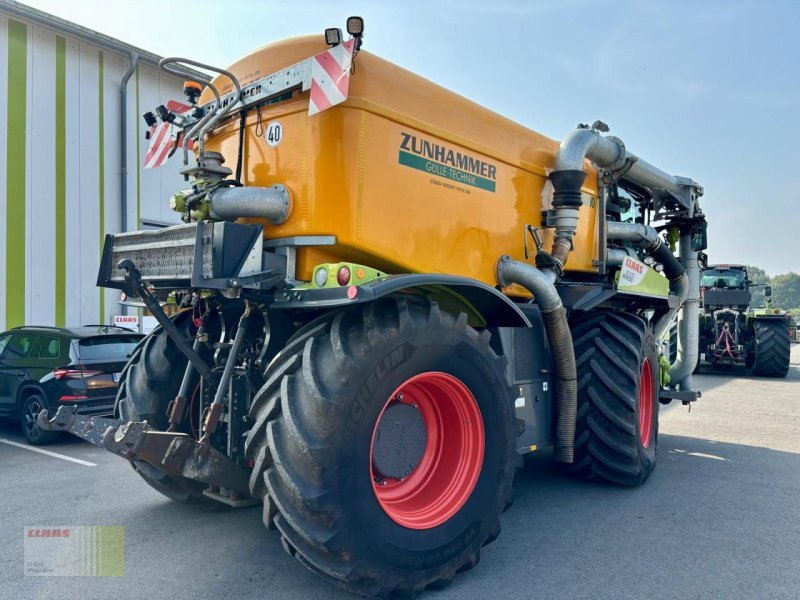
(636, 233)
(580, 144)
(540, 283)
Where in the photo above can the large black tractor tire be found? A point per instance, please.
(617, 422)
(147, 384)
(772, 353)
(321, 461)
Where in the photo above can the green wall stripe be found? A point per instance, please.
(101, 172)
(16, 103)
(61, 182)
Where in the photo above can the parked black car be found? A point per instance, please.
(48, 367)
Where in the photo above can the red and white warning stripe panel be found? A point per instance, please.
(330, 77)
(163, 138)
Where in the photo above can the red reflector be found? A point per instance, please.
(343, 276)
(352, 292)
(72, 398)
(251, 463)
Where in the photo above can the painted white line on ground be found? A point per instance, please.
(48, 453)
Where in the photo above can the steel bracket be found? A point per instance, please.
(174, 453)
(667, 396)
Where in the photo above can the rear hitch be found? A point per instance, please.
(172, 452)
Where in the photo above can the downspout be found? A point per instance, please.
(123, 142)
(123, 149)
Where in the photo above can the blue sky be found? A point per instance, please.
(705, 89)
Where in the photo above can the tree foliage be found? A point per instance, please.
(757, 275)
(785, 289)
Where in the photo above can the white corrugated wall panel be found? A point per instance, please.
(148, 190)
(40, 239)
(89, 187)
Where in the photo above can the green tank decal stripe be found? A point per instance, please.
(16, 103)
(61, 181)
(434, 168)
(101, 172)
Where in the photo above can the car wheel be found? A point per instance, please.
(33, 405)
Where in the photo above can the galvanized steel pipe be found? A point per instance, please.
(689, 321)
(273, 203)
(610, 153)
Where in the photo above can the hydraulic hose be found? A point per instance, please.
(542, 285)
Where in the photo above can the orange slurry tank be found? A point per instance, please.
(408, 176)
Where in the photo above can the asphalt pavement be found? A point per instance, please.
(719, 518)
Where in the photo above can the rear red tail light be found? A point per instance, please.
(61, 373)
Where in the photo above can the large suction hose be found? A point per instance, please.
(541, 284)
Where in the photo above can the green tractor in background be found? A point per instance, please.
(732, 332)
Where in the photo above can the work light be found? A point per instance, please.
(333, 36)
(355, 26)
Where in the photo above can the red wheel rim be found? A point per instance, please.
(445, 475)
(646, 404)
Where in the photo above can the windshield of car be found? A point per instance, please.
(107, 347)
(722, 278)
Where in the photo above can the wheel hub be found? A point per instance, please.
(399, 441)
(427, 450)
(30, 418)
